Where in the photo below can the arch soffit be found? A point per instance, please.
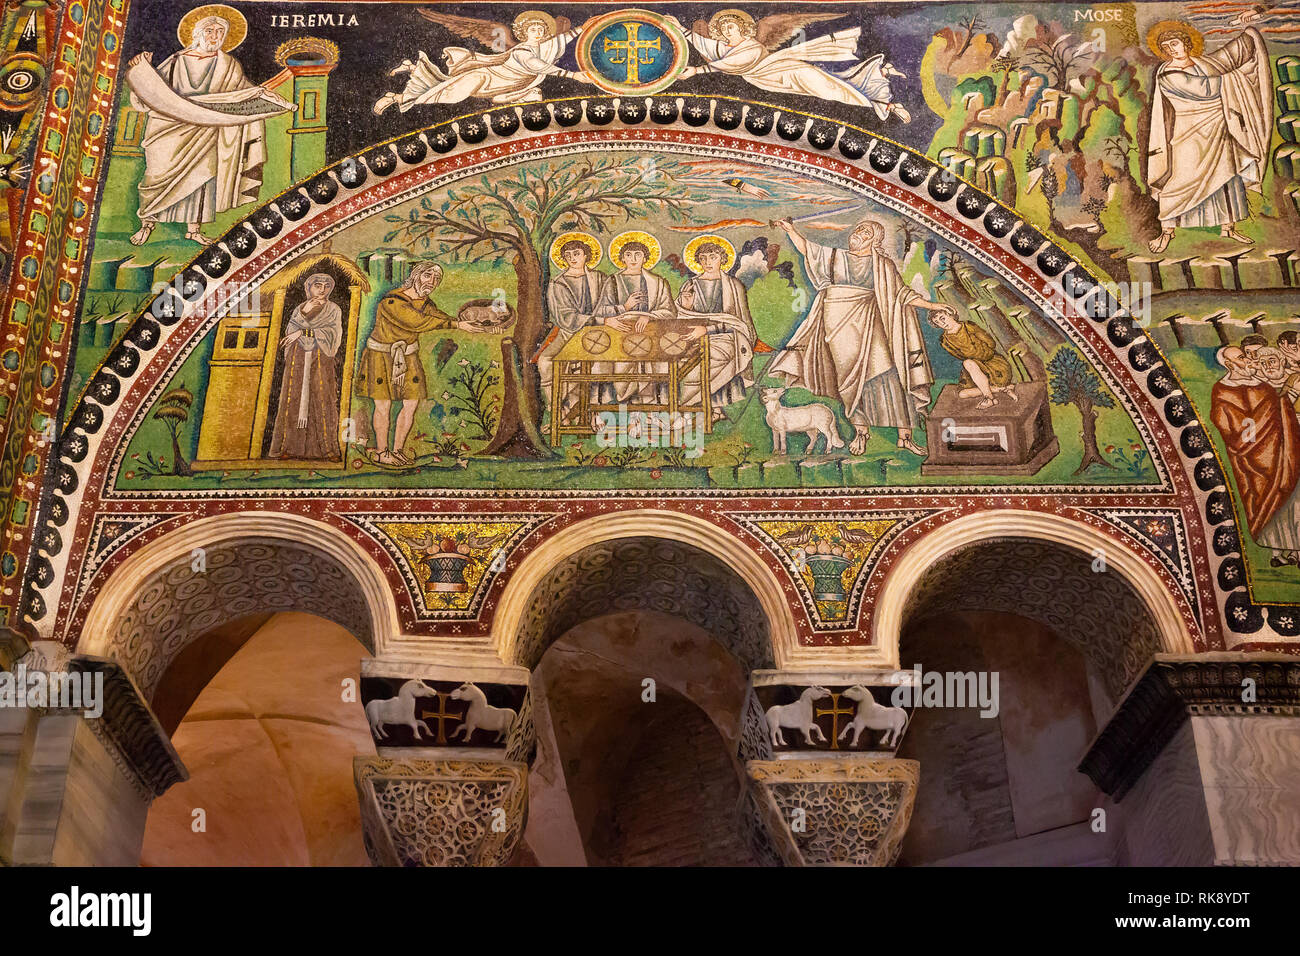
(537, 567)
(989, 526)
(126, 583)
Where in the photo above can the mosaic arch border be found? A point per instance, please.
(896, 174)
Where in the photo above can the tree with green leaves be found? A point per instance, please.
(514, 218)
(1074, 383)
(173, 410)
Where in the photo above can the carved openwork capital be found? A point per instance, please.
(845, 811)
(441, 812)
(1175, 688)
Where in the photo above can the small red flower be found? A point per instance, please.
(656, 473)
(600, 461)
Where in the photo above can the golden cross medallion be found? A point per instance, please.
(632, 49)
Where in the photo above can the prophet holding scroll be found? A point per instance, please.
(205, 140)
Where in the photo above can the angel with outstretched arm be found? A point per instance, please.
(732, 42)
(511, 73)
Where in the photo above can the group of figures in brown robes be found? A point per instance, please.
(1254, 408)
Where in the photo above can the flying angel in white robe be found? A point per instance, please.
(732, 42)
(512, 74)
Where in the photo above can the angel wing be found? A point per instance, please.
(776, 29)
(493, 35)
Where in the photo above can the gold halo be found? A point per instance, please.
(533, 15)
(234, 36)
(738, 14)
(592, 244)
(1198, 42)
(692, 247)
(622, 239)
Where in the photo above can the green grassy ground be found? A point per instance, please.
(737, 454)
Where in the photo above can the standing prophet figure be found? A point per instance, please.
(861, 341)
(205, 140)
(307, 419)
(1211, 123)
(1261, 435)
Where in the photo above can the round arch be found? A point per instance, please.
(539, 567)
(139, 616)
(993, 526)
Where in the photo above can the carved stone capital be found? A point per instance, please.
(448, 713)
(441, 812)
(1174, 688)
(106, 697)
(130, 730)
(839, 811)
(829, 712)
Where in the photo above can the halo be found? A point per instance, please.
(534, 15)
(234, 36)
(692, 247)
(622, 239)
(1197, 45)
(590, 241)
(738, 14)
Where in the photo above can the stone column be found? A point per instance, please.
(1202, 759)
(824, 787)
(449, 786)
(81, 759)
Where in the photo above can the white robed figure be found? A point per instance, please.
(205, 139)
(511, 75)
(632, 299)
(861, 340)
(732, 42)
(1211, 123)
(717, 305)
(572, 300)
